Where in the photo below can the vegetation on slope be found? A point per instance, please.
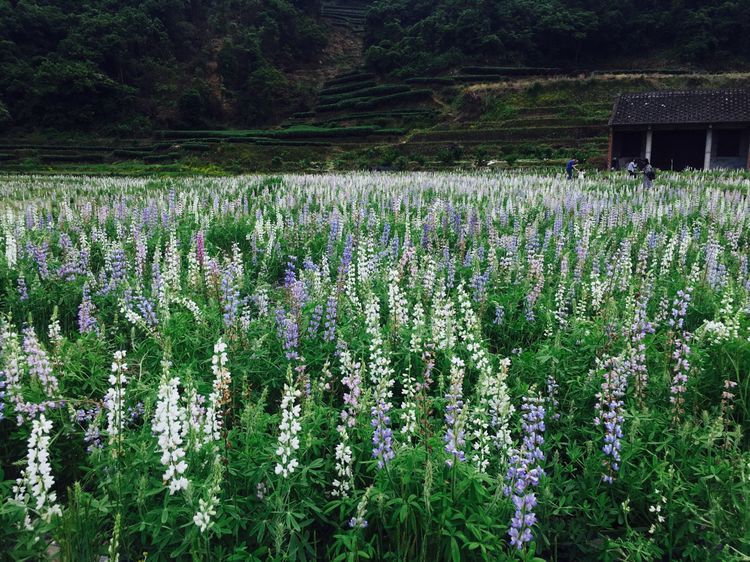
(408, 37)
(76, 64)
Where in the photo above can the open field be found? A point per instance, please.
(423, 367)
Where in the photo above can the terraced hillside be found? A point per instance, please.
(508, 117)
(350, 15)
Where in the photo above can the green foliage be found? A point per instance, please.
(77, 65)
(114, 501)
(410, 37)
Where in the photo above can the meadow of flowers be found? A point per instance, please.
(416, 367)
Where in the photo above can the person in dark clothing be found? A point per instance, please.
(570, 167)
(649, 175)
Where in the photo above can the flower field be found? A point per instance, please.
(416, 367)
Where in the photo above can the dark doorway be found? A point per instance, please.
(630, 143)
(677, 150)
(728, 143)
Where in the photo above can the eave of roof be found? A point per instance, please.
(682, 107)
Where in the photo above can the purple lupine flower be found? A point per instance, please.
(499, 315)
(298, 293)
(329, 332)
(525, 470)
(610, 409)
(679, 309)
(455, 433)
(637, 359)
(23, 292)
(382, 438)
(290, 275)
(312, 327)
(536, 275)
(2, 395)
(40, 257)
(450, 269)
(39, 365)
(346, 256)
(386, 236)
(118, 269)
(395, 245)
(230, 297)
(291, 338)
(681, 369)
(86, 321)
(135, 413)
(146, 310)
(479, 282)
(89, 420)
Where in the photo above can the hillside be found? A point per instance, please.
(290, 84)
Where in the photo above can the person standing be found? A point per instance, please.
(649, 175)
(571, 167)
(632, 168)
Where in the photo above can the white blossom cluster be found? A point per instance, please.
(288, 430)
(204, 517)
(34, 488)
(169, 425)
(114, 400)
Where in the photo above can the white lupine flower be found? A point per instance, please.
(417, 327)
(114, 400)
(288, 429)
(222, 376)
(489, 418)
(352, 380)
(34, 488)
(203, 518)
(11, 249)
(396, 300)
(168, 424)
(54, 331)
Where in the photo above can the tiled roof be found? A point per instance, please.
(676, 107)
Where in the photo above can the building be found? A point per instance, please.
(699, 129)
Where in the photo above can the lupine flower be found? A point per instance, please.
(525, 471)
(359, 521)
(288, 429)
(454, 416)
(329, 328)
(86, 321)
(169, 420)
(204, 517)
(291, 338)
(34, 488)
(115, 397)
(552, 390)
(610, 414)
(381, 375)
(39, 364)
(312, 327)
(23, 293)
(499, 315)
(230, 298)
(681, 354)
(2, 395)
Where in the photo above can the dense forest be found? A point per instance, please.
(76, 63)
(126, 66)
(415, 36)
